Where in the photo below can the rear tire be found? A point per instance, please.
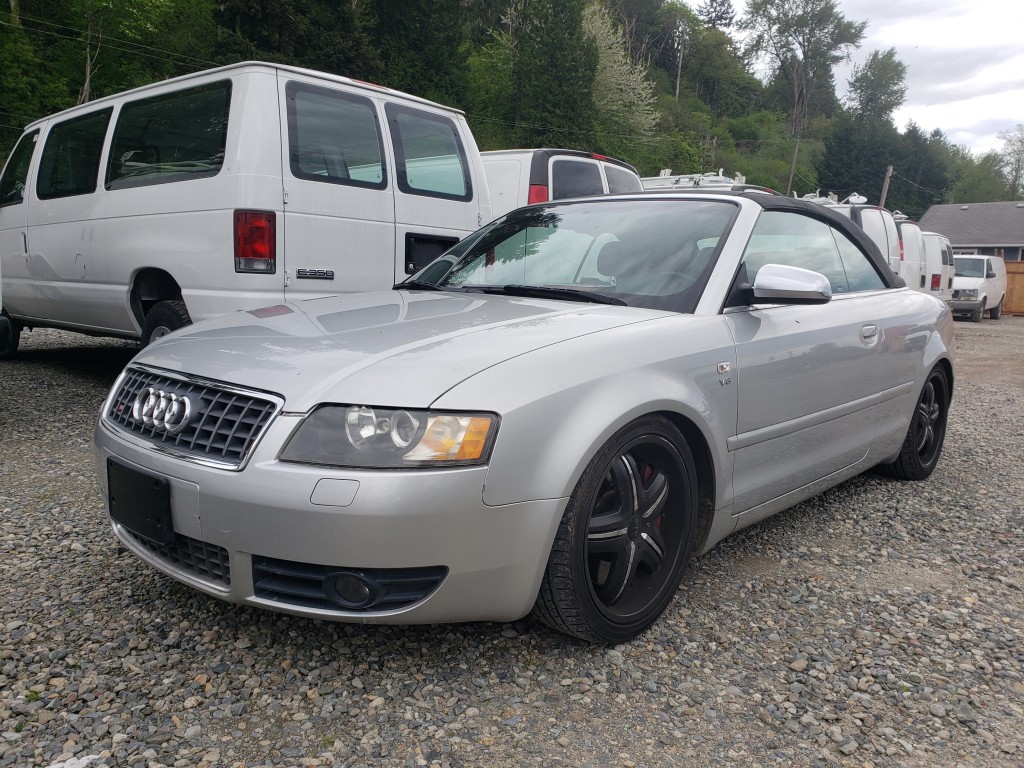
(923, 444)
(163, 318)
(625, 538)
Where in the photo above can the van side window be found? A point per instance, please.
(573, 178)
(334, 137)
(429, 154)
(70, 162)
(12, 183)
(620, 180)
(170, 137)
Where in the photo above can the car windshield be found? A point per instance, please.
(969, 267)
(644, 253)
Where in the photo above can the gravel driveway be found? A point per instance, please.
(879, 624)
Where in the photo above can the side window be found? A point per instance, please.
(860, 273)
(795, 240)
(171, 137)
(12, 183)
(429, 155)
(621, 180)
(70, 162)
(575, 178)
(947, 255)
(334, 137)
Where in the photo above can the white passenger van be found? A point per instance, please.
(518, 177)
(234, 188)
(979, 285)
(938, 258)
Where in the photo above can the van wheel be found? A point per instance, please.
(997, 310)
(9, 347)
(163, 318)
(979, 313)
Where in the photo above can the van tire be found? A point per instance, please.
(9, 350)
(163, 318)
(997, 310)
(979, 313)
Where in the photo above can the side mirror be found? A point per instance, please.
(777, 283)
(990, 274)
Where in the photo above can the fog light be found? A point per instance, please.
(351, 590)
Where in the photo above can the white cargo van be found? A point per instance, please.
(979, 285)
(234, 188)
(5, 325)
(938, 259)
(913, 268)
(518, 177)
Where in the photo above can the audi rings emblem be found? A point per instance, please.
(162, 411)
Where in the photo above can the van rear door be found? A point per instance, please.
(339, 230)
(439, 183)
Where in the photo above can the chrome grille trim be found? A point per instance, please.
(227, 424)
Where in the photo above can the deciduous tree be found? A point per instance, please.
(878, 87)
(804, 40)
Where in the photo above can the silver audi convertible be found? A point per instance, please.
(552, 417)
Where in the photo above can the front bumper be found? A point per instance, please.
(965, 307)
(491, 559)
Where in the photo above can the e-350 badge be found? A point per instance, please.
(314, 274)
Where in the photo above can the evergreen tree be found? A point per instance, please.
(553, 76)
(717, 14)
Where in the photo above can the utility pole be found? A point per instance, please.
(885, 187)
(792, 168)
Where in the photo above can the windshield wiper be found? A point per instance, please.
(547, 292)
(416, 285)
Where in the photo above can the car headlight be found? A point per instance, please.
(970, 293)
(395, 438)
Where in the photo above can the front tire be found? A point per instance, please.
(9, 341)
(625, 538)
(163, 318)
(923, 443)
(979, 312)
(997, 310)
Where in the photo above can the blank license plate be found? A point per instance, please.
(140, 502)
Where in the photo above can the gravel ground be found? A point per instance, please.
(877, 625)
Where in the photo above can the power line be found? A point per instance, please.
(110, 38)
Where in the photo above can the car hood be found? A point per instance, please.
(960, 282)
(393, 348)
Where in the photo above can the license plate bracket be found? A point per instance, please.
(140, 501)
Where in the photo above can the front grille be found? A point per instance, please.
(308, 586)
(956, 294)
(224, 425)
(205, 561)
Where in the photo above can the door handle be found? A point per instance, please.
(869, 331)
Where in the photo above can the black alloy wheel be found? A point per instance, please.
(927, 432)
(625, 538)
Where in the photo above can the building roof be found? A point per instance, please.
(978, 224)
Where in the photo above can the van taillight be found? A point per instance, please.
(256, 242)
(936, 282)
(901, 250)
(538, 194)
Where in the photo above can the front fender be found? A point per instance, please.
(560, 404)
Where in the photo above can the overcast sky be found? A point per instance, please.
(965, 62)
